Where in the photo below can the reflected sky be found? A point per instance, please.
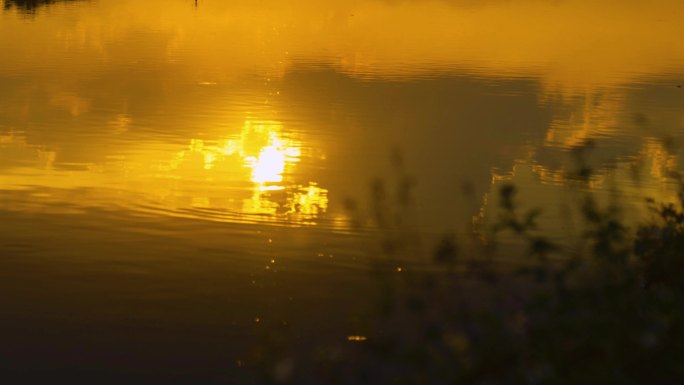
(277, 112)
(570, 45)
(250, 173)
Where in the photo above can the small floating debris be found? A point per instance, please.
(356, 338)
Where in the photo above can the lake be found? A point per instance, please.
(176, 176)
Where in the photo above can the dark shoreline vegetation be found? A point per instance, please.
(30, 6)
(609, 312)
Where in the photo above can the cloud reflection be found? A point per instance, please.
(126, 89)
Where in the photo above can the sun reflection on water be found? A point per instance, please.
(247, 176)
(269, 164)
(265, 157)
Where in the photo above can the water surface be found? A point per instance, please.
(168, 167)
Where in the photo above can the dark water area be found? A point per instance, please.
(177, 177)
(143, 305)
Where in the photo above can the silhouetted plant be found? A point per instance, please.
(612, 313)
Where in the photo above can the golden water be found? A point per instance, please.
(161, 156)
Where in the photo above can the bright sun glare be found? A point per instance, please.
(267, 156)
